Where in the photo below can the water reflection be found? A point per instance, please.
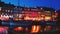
(28, 27)
(3, 30)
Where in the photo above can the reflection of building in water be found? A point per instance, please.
(35, 29)
(3, 30)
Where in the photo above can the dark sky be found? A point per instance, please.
(33, 3)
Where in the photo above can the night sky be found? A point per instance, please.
(33, 3)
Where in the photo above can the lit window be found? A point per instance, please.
(11, 11)
(47, 11)
(20, 15)
(47, 18)
(26, 18)
(8, 10)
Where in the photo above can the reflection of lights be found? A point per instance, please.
(58, 28)
(6, 28)
(47, 28)
(35, 29)
(26, 29)
(3, 30)
(18, 29)
(38, 28)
